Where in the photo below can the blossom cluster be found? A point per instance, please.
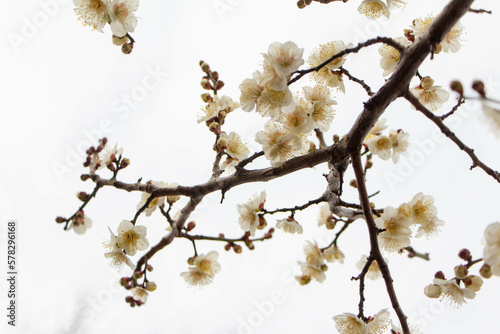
(385, 147)
(396, 224)
(203, 269)
(314, 267)
(119, 14)
(292, 117)
(129, 240)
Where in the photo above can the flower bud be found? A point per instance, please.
(219, 84)
(82, 196)
(60, 220)
(149, 268)
(461, 272)
(465, 254)
(478, 86)
(215, 75)
(190, 226)
(301, 4)
(150, 286)
(432, 291)
(456, 86)
(353, 183)
(190, 261)
(237, 249)
(303, 280)
(227, 246)
(205, 83)
(222, 143)
(324, 267)
(250, 245)
(438, 49)
(119, 41)
(439, 275)
(84, 177)
(426, 83)
(127, 48)
(485, 271)
(206, 97)
(204, 67)
(336, 138)
(262, 222)
(138, 274)
(473, 283)
(125, 162)
(124, 281)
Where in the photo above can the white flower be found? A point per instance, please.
(251, 90)
(278, 144)
(218, 104)
(298, 121)
(289, 225)
(325, 217)
(132, 238)
(140, 294)
(391, 56)
(348, 323)
(491, 252)
(373, 271)
(429, 228)
(397, 233)
(452, 293)
(123, 19)
(285, 58)
(429, 95)
(450, 43)
(322, 112)
(80, 223)
(236, 151)
(208, 263)
(373, 9)
(326, 74)
(422, 209)
(333, 254)
(110, 155)
(380, 146)
(399, 140)
(116, 253)
(92, 13)
(196, 277)
(204, 269)
(313, 254)
(249, 220)
(271, 102)
(311, 271)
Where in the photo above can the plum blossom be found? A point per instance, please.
(236, 151)
(92, 13)
(285, 58)
(132, 238)
(123, 19)
(327, 74)
(289, 225)
(391, 56)
(491, 252)
(204, 269)
(452, 293)
(249, 219)
(116, 254)
(450, 43)
(429, 95)
(348, 323)
(374, 9)
(80, 223)
(397, 232)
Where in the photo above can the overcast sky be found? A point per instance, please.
(63, 86)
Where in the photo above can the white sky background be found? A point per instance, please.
(64, 84)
